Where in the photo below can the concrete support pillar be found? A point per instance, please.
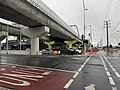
(78, 45)
(34, 46)
(49, 44)
(0, 45)
(18, 37)
(35, 33)
(69, 43)
(3, 35)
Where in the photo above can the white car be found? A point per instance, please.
(77, 51)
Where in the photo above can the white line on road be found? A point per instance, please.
(76, 73)
(106, 68)
(82, 66)
(114, 88)
(68, 84)
(118, 75)
(115, 71)
(108, 74)
(79, 70)
(111, 81)
(41, 68)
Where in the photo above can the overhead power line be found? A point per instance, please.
(115, 27)
(115, 21)
(109, 5)
(116, 11)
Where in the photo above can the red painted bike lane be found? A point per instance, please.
(32, 78)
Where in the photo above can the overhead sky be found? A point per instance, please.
(71, 11)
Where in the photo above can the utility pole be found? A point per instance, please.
(107, 26)
(107, 34)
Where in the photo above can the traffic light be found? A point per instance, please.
(82, 37)
(85, 41)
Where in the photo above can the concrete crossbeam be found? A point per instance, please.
(35, 33)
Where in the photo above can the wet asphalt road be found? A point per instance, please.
(102, 72)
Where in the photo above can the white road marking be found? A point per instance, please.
(79, 70)
(2, 69)
(114, 88)
(42, 68)
(46, 73)
(13, 67)
(25, 71)
(23, 83)
(68, 84)
(115, 71)
(75, 58)
(108, 73)
(91, 87)
(21, 72)
(82, 66)
(76, 73)
(111, 81)
(118, 75)
(106, 68)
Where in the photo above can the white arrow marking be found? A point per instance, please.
(91, 87)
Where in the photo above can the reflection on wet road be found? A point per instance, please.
(98, 71)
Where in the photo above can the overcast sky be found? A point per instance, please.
(71, 11)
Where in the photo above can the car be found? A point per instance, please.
(56, 50)
(47, 51)
(63, 50)
(77, 51)
(67, 51)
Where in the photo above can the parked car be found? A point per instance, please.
(77, 51)
(67, 51)
(56, 51)
(63, 50)
(47, 51)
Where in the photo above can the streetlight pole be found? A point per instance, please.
(91, 37)
(84, 16)
(84, 26)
